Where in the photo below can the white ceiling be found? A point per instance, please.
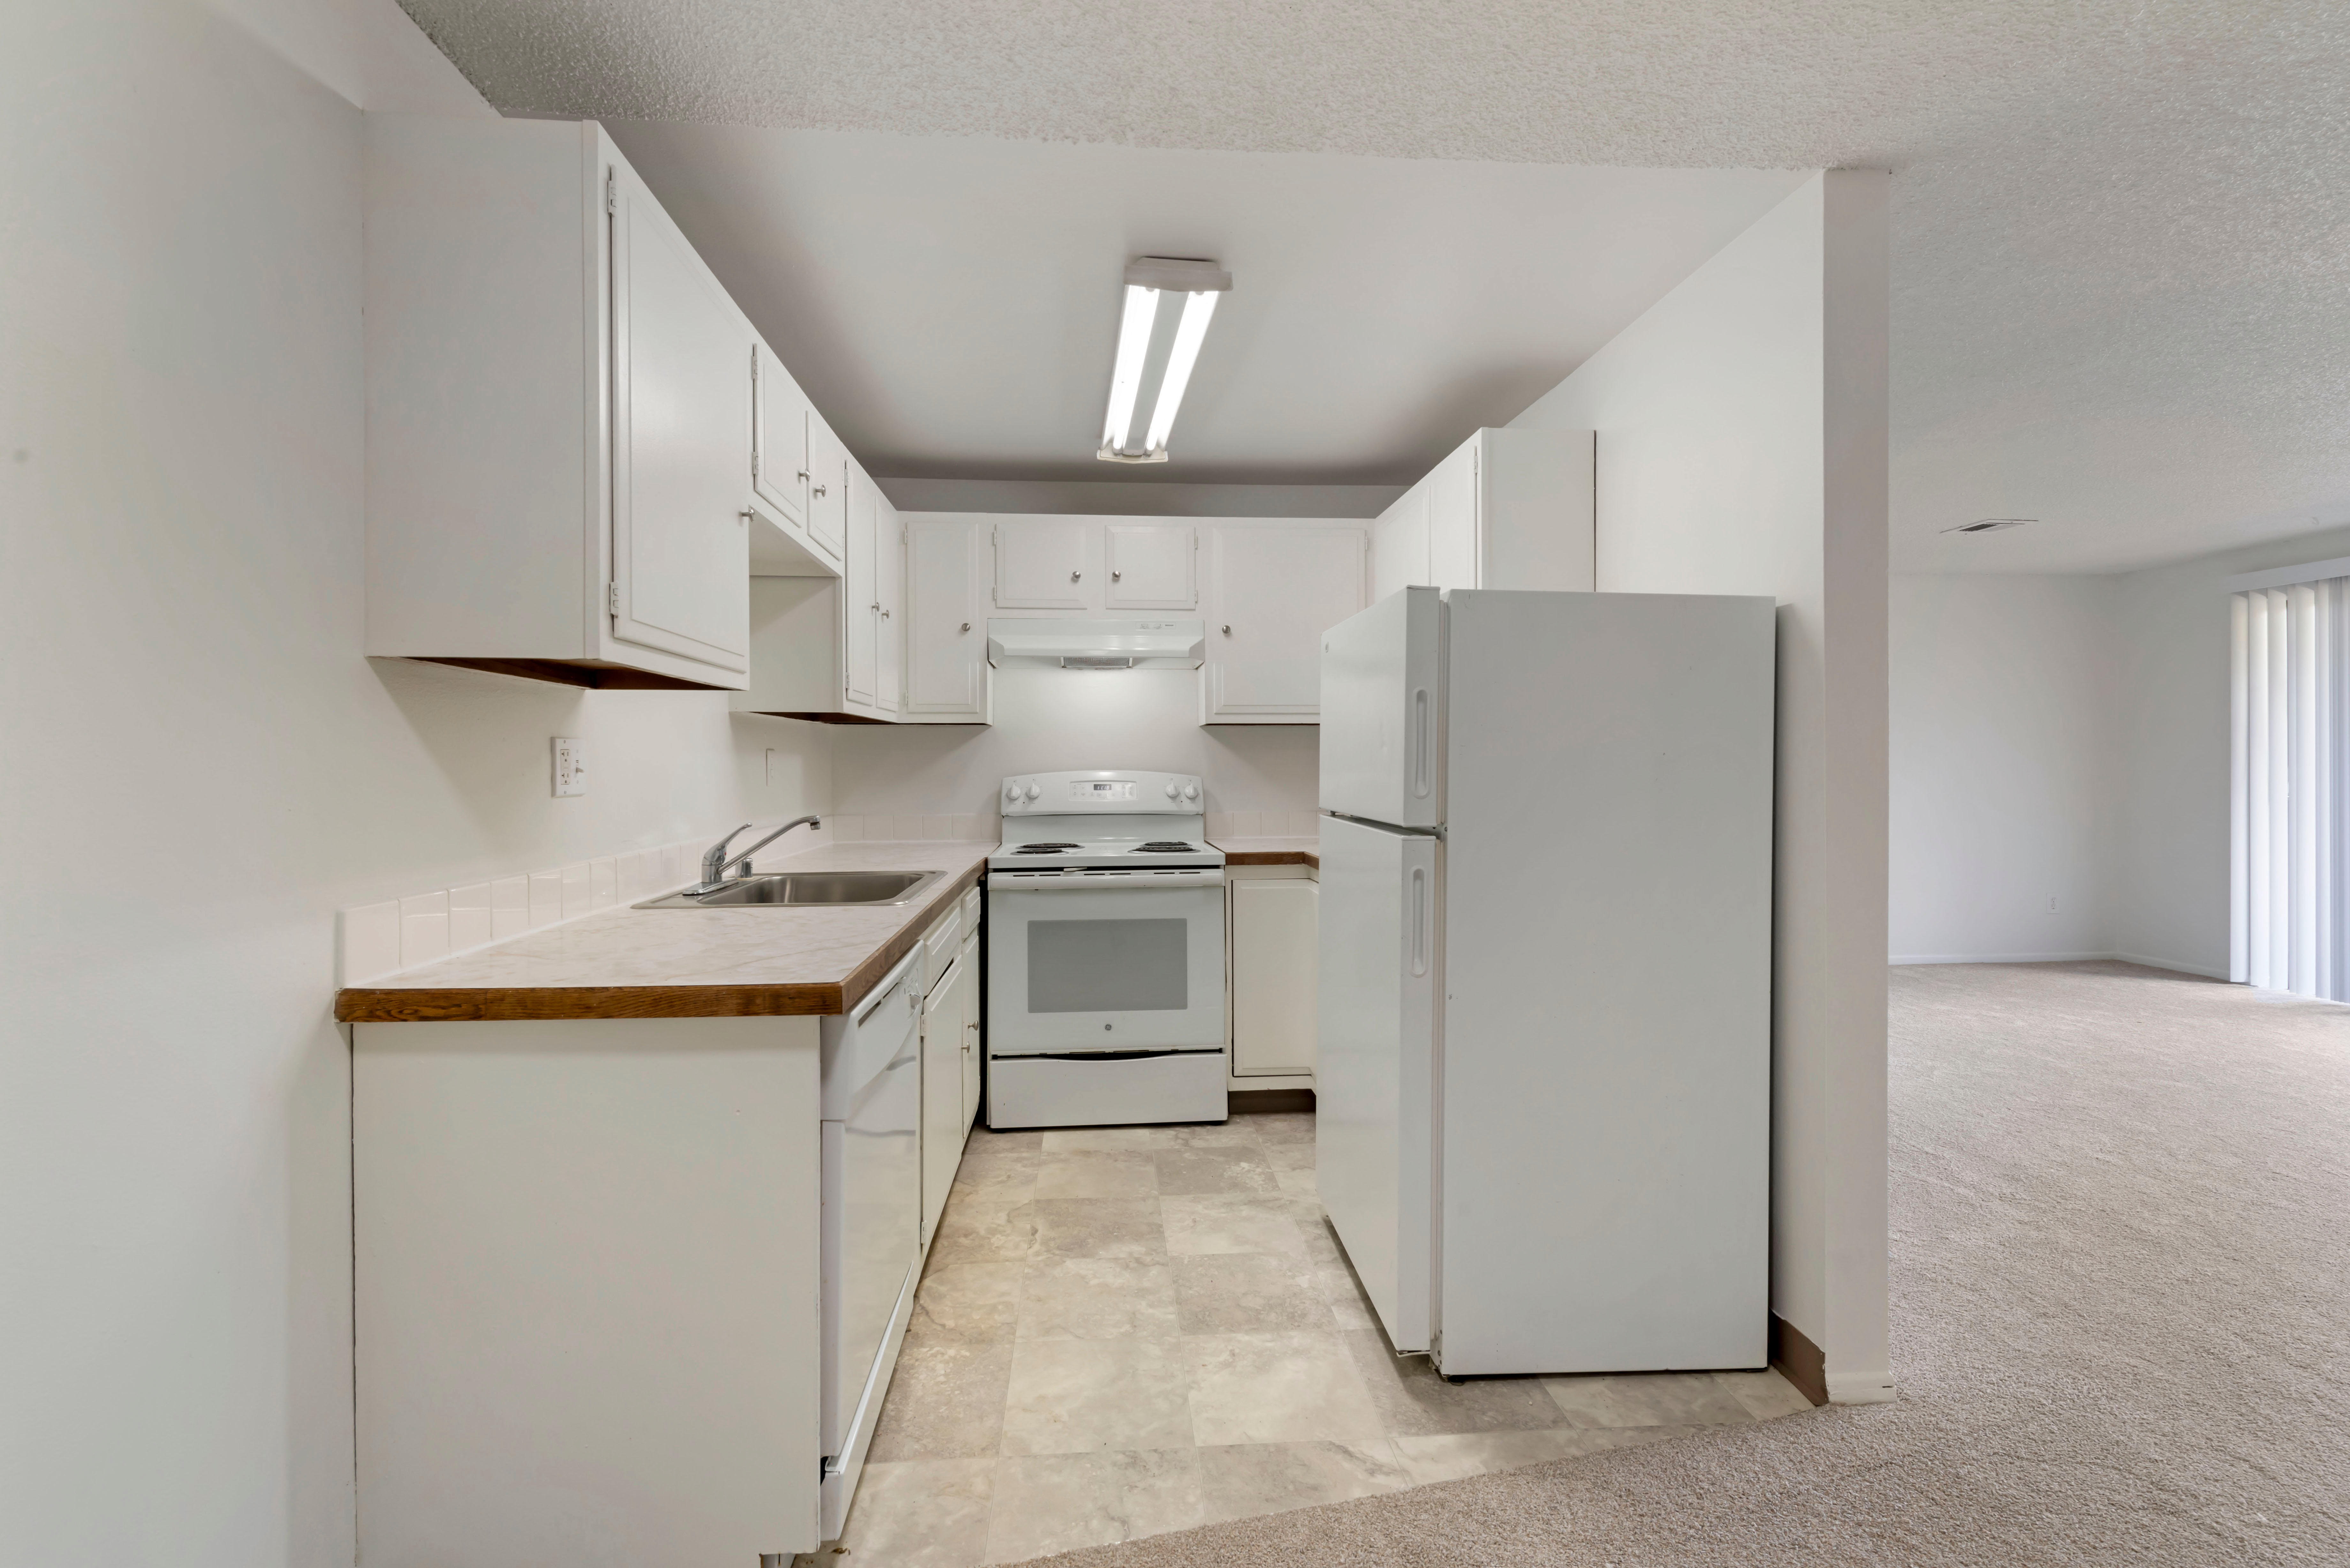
(2121, 233)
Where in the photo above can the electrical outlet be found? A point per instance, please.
(570, 766)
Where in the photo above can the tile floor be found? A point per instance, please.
(1129, 1330)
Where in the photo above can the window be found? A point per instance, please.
(2291, 719)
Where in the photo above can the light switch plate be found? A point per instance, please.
(570, 766)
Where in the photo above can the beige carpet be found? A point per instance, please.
(2121, 1307)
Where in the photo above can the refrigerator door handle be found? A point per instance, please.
(1420, 746)
(1420, 920)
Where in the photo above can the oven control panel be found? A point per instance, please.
(1115, 794)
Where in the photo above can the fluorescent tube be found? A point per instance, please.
(1126, 375)
(1188, 332)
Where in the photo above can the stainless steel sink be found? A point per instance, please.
(804, 889)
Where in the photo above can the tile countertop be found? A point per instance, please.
(1270, 851)
(688, 963)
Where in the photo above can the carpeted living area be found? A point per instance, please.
(2121, 1307)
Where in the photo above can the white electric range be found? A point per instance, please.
(1106, 953)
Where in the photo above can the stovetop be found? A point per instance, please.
(1051, 853)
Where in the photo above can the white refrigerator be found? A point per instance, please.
(1544, 1077)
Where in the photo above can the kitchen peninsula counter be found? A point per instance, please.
(626, 962)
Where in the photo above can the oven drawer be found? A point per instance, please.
(1085, 1090)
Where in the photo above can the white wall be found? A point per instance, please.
(2169, 883)
(201, 768)
(1048, 721)
(2003, 785)
(1741, 448)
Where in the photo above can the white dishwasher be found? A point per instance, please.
(872, 1214)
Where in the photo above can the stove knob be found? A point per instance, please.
(1033, 791)
(1011, 794)
(1191, 792)
(1171, 790)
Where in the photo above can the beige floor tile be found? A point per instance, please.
(1349, 1307)
(1058, 1502)
(1228, 1222)
(1648, 1399)
(1289, 1155)
(1097, 1298)
(1099, 1228)
(1299, 1184)
(1322, 1246)
(1101, 1140)
(945, 1401)
(1014, 1176)
(976, 1300)
(1233, 1134)
(1766, 1395)
(1414, 1399)
(1450, 1456)
(1285, 1126)
(1247, 1480)
(985, 1140)
(1217, 1167)
(920, 1513)
(1133, 1175)
(978, 1227)
(1076, 1396)
(1241, 1292)
(1276, 1388)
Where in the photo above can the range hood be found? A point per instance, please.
(1096, 644)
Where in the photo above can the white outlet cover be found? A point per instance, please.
(570, 766)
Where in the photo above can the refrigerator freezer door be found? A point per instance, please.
(1383, 712)
(1374, 1116)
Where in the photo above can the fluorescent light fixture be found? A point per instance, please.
(1149, 281)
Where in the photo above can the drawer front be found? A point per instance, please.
(939, 945)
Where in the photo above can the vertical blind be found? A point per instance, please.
(2290, 930)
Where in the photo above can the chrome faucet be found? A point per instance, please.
(716, 862)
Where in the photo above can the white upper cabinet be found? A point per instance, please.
(1400, 544)
(1152, 565)
(828, 497)
(1508, 509)
(890, 594)
(1272, 591)
(781, 473)
(1046, 563)
(681, 520)
(946, 620)
(862, 585)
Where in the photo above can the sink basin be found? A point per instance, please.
(805, 889)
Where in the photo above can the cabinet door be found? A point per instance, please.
(943, 1123)
(973, 1045)
(680, 429)
(890, 591)
(860, 610)
(1152, 565)
(779, 454)
(1276, 591)
(1400, 544)
(1040, 564)
(1454, 558)
(1276, 941)
(946, 643)
(828, 497)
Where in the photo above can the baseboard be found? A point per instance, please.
(1799, 1361)
(1998, 958)
(1261, 1101)
(1860, 1387)
(2174, 965)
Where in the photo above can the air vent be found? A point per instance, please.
(1094, 662)
(1990, 525)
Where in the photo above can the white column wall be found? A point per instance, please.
(1742, 426)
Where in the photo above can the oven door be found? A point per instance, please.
(1093, 970)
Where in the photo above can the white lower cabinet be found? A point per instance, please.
(1275, 922)
(943, 1123)
(974, 1042)
(588, 1283)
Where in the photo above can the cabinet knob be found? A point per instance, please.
(817, 491)
(1228, 630)
(885, 615)
(876, 603)
(1074, 575)
(744, 515)
(966, 626)
(1114, 576)
(804, 479)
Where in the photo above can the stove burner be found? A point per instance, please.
(1044, 848)
(1161, 847)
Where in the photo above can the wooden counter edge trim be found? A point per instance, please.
(1273, 858)
(503, 1004)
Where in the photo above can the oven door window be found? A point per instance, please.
(1108, 966)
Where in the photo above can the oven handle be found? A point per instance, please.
(1014, 882)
